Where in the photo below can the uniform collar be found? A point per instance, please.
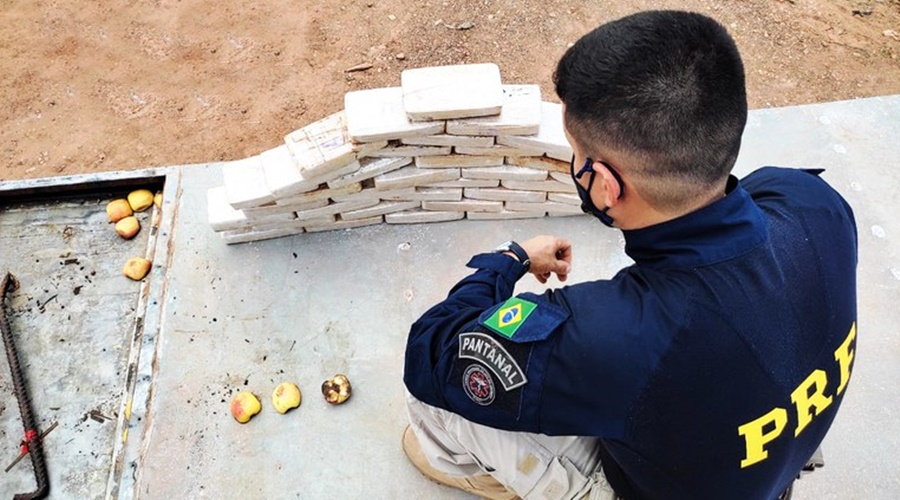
(722, 230)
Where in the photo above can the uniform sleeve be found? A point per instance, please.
(435, 332)
(481, 352)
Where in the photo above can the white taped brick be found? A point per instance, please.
(319, 194)
(550, 139)
(466, 183)
(223, 217)
(430, 194)
(378, 115)
(280, 169)
(274, 208)
(503, 194)
(565, 198)
(322, 147)
(345, 224)
(450, 140)
(245, 184)
(385, 207)
(539, 163)
(458, 91)
(248, 235)
(561, 177)
(463, 205)
(300, 184)
(370, 168)
(549, 186)
(520, 115)
(409, 151)
(366, 149)
(460, 161)
(377, 194)
(503, 215)
(505, 173)
(494, 151)
(335, 208)
(547, 206)
(412, 176)
(417, 216)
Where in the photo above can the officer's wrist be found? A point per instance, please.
(515, 251)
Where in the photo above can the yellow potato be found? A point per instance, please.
(136, 268)
(116, 210)
(140, 200)
(128, 227)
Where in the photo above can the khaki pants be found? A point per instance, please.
(534, 466)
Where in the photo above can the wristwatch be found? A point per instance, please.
(515, 248)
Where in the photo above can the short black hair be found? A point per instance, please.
(664, 86)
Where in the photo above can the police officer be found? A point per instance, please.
(710, 368)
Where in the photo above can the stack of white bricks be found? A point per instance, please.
(451, 142)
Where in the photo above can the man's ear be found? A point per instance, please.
(611, 187)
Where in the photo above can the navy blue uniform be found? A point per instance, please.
(711, 368)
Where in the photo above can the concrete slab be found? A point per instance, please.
(305, 307)
(447, 92)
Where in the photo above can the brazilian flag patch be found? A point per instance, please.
(510, 316)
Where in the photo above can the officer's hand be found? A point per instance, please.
(548, 255)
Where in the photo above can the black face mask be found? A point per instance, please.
(587, 204)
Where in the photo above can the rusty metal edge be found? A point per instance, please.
(79, 185)
(142, 362)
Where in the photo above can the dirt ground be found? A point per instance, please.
(120, 85)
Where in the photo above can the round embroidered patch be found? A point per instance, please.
(478, 385)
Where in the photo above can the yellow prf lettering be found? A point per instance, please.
(805, 400)
(755, 437)
(844, 356)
